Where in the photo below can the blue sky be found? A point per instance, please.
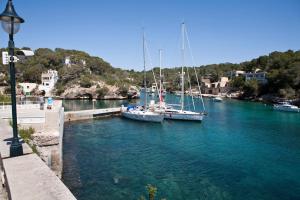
(220, 30)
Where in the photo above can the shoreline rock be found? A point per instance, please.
(99, 91)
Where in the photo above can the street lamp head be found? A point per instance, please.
(10, 19)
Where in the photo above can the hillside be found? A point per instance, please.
(84, 71)
(283, 73)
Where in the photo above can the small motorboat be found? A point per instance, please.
(286, 106)
(217, 99)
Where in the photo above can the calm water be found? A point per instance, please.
(86, 104)
(241, 150)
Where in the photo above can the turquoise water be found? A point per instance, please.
(241, 150)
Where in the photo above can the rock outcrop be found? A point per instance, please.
(99, 90)
(45, 139)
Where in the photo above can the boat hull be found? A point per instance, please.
(174, 114)
(143, 116)
(217, 99)
(286, 109)
(186, 117)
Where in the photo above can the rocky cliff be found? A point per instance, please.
(100, 90)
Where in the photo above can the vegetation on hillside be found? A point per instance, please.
(283, 72)
(283, 75)
(85, 69)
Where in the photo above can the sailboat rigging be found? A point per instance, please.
(181, 114)
(142, 113)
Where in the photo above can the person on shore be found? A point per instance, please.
(49, 103)
(41, 100)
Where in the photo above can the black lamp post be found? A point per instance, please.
(11, 24)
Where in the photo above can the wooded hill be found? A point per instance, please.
(283, 72)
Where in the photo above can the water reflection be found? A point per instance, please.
(86, 104)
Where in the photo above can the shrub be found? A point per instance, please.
(237, 83)
(288, 93)
(59, 89)
(123, 90)
(251, 88)
(26, 134)
(151, 191)
(4, 98)
(85, 82)
(101, 92)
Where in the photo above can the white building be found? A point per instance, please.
(68, 61)
(223, 82)
(83, 62)
(206, 82)
(258, 75)
(27, 88)
(236, 73)
(49, 80)
(215, 88)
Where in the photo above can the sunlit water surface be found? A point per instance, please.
(241, 150)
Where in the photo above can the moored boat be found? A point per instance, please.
(182, 115)
(168, 111)
(285, 106)
(143, 115)
(217, 99)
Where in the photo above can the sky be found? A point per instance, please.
(219, 30)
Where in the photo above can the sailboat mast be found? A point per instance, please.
(182, 68)
(160, 77)
(145, 82)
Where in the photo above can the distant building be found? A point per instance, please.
(68, 61)
(206, 82)
(216, 87)
(258, 75)
(224, 82)
(49, 80)
(27, 88)
(236, 73)
(83, 62)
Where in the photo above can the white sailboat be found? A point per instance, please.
(142, 113)
(178, 114)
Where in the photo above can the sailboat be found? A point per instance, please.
(178, 114)
(142, 113)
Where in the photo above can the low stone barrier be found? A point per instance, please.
(90, 114)
(27, 177)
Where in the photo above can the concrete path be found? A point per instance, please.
(30, 179)
(5, 140)
(90, 114)
(27, 177)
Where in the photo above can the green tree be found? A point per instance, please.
(251, 88)
(85, 82)
(288, 93)
(237, 83)
(101, 92)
